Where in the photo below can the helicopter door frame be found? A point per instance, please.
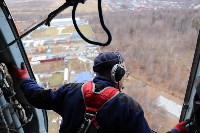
(191, 88)
(16, 54)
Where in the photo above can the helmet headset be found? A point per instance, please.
(117, 71)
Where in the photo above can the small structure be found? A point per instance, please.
(75, 37)
(83, 77)
(66, 74)
(168, 105)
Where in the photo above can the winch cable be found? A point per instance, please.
(102, 24)
(56, 12)
(46, 21)
(23, 35)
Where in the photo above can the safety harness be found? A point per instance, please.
(93, 103)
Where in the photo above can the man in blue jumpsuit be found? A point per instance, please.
(121, 114)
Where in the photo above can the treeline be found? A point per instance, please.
(159, 48)
(157, 44)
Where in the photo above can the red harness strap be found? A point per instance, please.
(95, 100)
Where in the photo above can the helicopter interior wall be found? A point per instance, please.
(3, 35)
(13, 54)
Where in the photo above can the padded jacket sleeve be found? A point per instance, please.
(173, 131)
(43, 99)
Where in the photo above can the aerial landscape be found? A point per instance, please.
(157, 38)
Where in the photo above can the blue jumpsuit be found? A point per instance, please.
(122, 114)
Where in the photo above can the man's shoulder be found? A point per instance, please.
(73, 85)
(129, 101)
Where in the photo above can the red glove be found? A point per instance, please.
(18, 74)
(180, 127)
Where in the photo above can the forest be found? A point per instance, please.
(158, 47)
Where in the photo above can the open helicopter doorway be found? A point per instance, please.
(158, 39)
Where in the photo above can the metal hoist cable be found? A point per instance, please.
(102, 24)
(53, 14)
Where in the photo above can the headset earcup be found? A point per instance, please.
(119, 73)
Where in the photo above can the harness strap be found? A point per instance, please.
(95, 100)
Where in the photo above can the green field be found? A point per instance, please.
(55, 80)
